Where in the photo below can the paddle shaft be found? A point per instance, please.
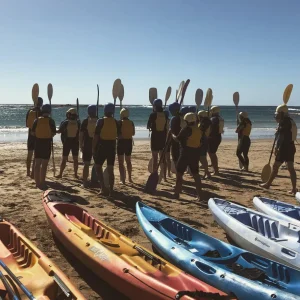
(8, 287)
(98, 100)
(52, 146)
(77, 105)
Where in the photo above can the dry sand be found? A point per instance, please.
(20, 201)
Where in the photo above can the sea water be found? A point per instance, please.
(13, 127)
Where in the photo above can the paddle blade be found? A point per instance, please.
(116, 88)
(208, 98)
(297, 196)
(150, 165)
(168, 94)
(198, 97)
(179, 91)
(186, 84)
(236, 98)
(121, 92)
(266, 172)
(287, 93)
(152, 94)
(151, 183)
(50, 91)
(35, 93)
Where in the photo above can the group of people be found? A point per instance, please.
(188, 137)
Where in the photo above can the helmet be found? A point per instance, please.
(190, 117)
(46, 109)
(243, 114)
(193, 109)
(215, 110)
(39, 102)
(124, 113)
(282, 109)
(184, 110)
(92, 110)
(174, 107)
(109, 108)
(71, 111)
(157, 103)
(202, 114)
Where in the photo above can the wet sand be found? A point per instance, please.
(20, 201)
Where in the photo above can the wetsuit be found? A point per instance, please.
(244, 142)
(31, 115)
(175, 129)
(127, 131)
(205, 127)
(44, 129)
(88, 127)
(215, 137)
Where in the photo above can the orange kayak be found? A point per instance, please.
(24, 267)
(128, 267)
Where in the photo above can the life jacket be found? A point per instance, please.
(32, 114)
(72, 128)
(43, 129)
(161, 121)
(109, 129)
(294, 130)
(221, 124)
(91, 126)
(194, 140)
(127, 129)
(247, 130)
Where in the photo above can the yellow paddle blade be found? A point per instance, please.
(287, 93)
(116, 88)
(236, 98)
(121, 92)
(208, 98)
(198, 97)
(50, 91)
(152, 94)
(266, 172)
(168, 94)
(35, 93)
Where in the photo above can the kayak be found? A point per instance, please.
(280, 210)
(27, 272)
(128, 267)
(235, 271)
(258, 233)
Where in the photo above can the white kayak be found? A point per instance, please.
(258, 233)
(280, 210)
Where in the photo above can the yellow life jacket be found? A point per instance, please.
(127, 129)
(294, 130)
(43, 129)
(72, 128)
(91, 126)
(109, 129)
(161, 121)
(221, 125)
(31, 118)
(194, 140)
(247, 129)
(182, 123)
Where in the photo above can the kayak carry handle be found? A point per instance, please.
(8, 287)
(149, 255)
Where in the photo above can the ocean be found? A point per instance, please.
(13, 129)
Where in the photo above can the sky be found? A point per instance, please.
(249, 46)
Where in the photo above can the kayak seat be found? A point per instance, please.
(267, 228)
(87, 230)
(139, 263)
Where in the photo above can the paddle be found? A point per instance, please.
(236, 100)
(50, 94)
(35, 93)
(297, 196)
(152, 94)
(198, 98)
(266, 171)
(168, 94)
(121, 95)
(153, 179)
(116, 89)
(208, 99)
(8, 288)
(77, 106)
(97, 101)
(179, 91)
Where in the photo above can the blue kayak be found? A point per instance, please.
(236, 272)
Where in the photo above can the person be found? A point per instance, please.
(205, 127)
(70, 131)
(284, 146)
(104, 147)
(125, 143)
(44, 130)
(157, 123)
(32, 114)
(243, 130)
(86, 135)
(215, 137)
(190, 143)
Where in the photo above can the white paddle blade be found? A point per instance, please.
(298, 196)
(179, 91)
(116, 88)
(35, 93)
(50, 91)
(208, 98)
(198, 97)
(287, 93)
(152, 94)
(168, 94)
(121, 92)
(236, 98)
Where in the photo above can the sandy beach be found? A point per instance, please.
(21, 202)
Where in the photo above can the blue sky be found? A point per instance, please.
(235, 45)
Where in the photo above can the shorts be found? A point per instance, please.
(42, 148)
(71, 145)
(124, 147)
(286, 153)
(244, 145)
(158, 141)
(175, 150)
(30, 142)
(214, 143)
(87, 150)
(189, 157)
(105, 152)
(203, 148)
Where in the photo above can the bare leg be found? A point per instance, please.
(198, 185)
(85, 173)
(204, 163)
(63, 166)
(168, 164)
(129, 167)
(214, 162)
(154, 160)
(111, 175)
(178, 186)
(43, 172)
(99, 172)
(290, 166)
(37, 171)
(121, 168)
(162, 166)
(274, 173)
(28, 162)
(75, 163)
